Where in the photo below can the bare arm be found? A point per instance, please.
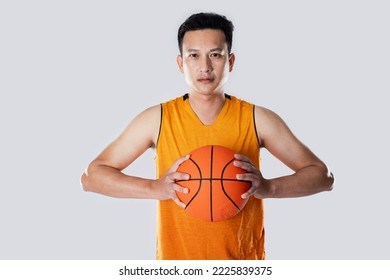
(104, 174)
(311, 174)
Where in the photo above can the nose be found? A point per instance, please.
(205, 65)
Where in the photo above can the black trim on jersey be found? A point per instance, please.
(185, 96)
(159, 130)
(254, 123)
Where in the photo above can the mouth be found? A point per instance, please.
(205, 80)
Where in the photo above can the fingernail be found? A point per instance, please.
(185, 190)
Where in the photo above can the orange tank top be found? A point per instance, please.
(181, 236)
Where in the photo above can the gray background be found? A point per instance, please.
(74, 73)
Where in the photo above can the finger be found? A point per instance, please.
(241, 157)
(245, 165)
(179, 188)
(249, 177)
(178, 202)
(249, 193)
(179, 161)
(179, 176)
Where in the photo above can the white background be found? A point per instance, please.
(74, 73)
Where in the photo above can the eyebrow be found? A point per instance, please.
(212, 50)
(216, 50)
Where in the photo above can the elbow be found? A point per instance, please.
(325, 178)
(85, 182)
(329, 181)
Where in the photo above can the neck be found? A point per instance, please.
(207, 106)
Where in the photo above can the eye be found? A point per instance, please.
(193, 55)
(215, 55)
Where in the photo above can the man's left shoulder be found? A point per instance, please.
(259, 111)
(238, 100)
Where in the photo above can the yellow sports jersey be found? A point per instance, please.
(181, 236)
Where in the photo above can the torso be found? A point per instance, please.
(181, 236)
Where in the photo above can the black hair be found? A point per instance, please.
(206, 21)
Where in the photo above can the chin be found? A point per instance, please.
(207, 90)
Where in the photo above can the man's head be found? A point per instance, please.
(205, 56)
(202, 21)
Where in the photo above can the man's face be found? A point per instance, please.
(205, 61)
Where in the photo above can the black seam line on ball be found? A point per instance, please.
(213, 179)
(200, 184)
(211, 182)
(223, 187)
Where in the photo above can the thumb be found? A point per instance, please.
(177, 163)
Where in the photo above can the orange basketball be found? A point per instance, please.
(214, 191)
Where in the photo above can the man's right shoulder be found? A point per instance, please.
(150, 114)
(154, 113)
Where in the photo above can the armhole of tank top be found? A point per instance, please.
(254, 124)
(159, 130)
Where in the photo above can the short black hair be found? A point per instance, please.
(206, 21)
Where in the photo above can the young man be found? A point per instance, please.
(205, 116)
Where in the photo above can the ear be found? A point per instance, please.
(179, 61)
(232, 58)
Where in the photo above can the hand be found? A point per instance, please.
(166, 187)
(259, 186)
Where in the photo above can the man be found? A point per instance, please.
(205, 116)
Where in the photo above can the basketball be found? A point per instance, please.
(214, 192)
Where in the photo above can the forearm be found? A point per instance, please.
(307, 181)
(109, 181)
